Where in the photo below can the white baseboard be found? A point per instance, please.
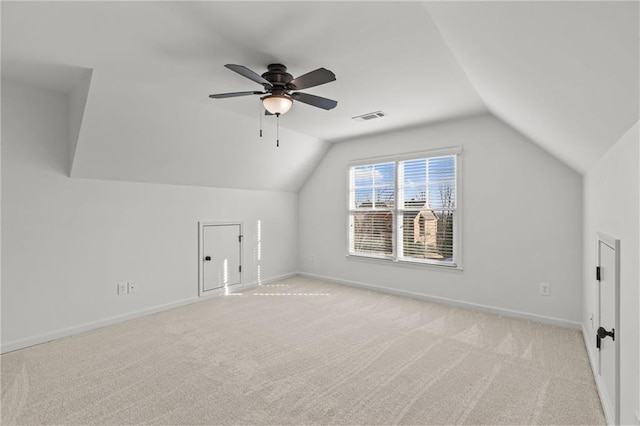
(606, 409)
(69, 331)
(47, 337)
(484, 308)
(278, 278)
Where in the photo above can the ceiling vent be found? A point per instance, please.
(369, 116)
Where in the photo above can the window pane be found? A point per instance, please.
(442, 182)
(372, 232)
(428, 234)
(428, 183)
(373, 186)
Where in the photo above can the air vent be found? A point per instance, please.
(370, 116)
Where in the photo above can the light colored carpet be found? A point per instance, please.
(302, 351)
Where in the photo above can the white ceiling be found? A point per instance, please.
(565, 74)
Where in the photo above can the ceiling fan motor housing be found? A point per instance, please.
(278, 76)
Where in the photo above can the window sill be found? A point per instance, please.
(403, 263)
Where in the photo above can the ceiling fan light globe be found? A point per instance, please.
(277, 104)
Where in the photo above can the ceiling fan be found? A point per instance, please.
(278, 87)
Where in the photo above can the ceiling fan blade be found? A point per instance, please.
(313, 100)
(251, 75)
(234, 94)
(311, 79)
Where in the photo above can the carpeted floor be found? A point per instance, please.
(302, 351)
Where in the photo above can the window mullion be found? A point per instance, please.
(427, 185)
(397, 215)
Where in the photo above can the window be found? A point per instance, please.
(406, 209)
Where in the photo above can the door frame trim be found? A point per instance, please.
(201, 226)
(611, 414)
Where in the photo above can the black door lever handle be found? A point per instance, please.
(602, 333)
(207, 258)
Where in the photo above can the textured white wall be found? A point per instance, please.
(611, 205)
(522, 224)
(67, 242)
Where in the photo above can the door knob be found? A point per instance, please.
(207, 258)
(602, 333)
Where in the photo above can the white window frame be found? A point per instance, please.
(397, 210)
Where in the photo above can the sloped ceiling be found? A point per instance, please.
(565, 74)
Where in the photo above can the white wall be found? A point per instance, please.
(522, 225)
(611, 205)
(67, 242)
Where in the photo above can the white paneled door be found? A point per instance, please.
(608, 330)
(220, 256)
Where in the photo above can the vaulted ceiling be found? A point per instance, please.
(138, 75)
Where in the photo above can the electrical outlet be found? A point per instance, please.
(545, 289)
(132, 287)
(122, 288)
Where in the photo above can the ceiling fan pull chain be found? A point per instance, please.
(261, 108)
(277, 130)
